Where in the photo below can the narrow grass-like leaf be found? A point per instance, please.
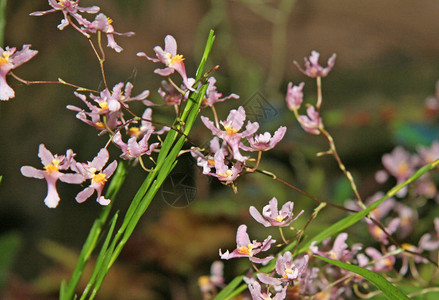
(389, 290)
(100, 260)
(231, 288)
(67, 291)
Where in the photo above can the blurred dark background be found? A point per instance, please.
(374, 99)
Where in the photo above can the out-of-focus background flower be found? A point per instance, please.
(374, 99)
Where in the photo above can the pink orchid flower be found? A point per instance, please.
(170, 58)
(53, 165)
(93, 170)
(312, 67)
(9, 60)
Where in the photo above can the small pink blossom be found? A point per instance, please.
(207, 162)
(289, 269)
(103, 23)
(10, 59)
(257, 294)
(312, 67)
(245, 248)
(223, 172)
(429, 155)
(265, 142)
(271, 216)
(212, 96)
(68, 8)
(312, 122)
(170, 58)
(94, 171)
(135, 149)
(231, 134)
(53, 165)
(294, 96)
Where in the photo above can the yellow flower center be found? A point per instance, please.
(53, 167)
(407, 246)
(109, 20)
(103, 105)
(176, 59)
(100, 125)
(378, 232)
(204, 281)
(246, 250)
(230, 130)
(227, 174)
(403, 168)
(134, 131)
(99, 178)
(4, 59)
(279, 218)
(211, 162)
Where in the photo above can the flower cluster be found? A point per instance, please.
(71, 9)
(400, 164)
(311, 122)
(225, 160)
(286, 271)
(56, 167)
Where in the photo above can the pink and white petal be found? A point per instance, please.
(91, 10)
(258, 217)
(103, 201)
(266, 244)
(110, 169)
(23, 56)
(85, 194)
(278, 136)
(100, 160)
(143, 54)
(52, 199)
(164, 72)
(209, 124)
(72, 178)
(170, 45)
(41, 13)
(262, 261)
(45, 155)
(143, 95)
(111, 43)
(268, 279)
(29, 171)
(242, 238)
(6, 92)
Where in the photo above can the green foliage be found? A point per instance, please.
(390, 291)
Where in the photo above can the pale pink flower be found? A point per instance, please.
(294, 96)
(170, 58)
(231, 134)
(212, 96)
(312, 67)
(9, 60)
(271, 216)
(68, 8)
(103, 23)
(94, 171)
(246, 248)
(312, 122)
(53, 165)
